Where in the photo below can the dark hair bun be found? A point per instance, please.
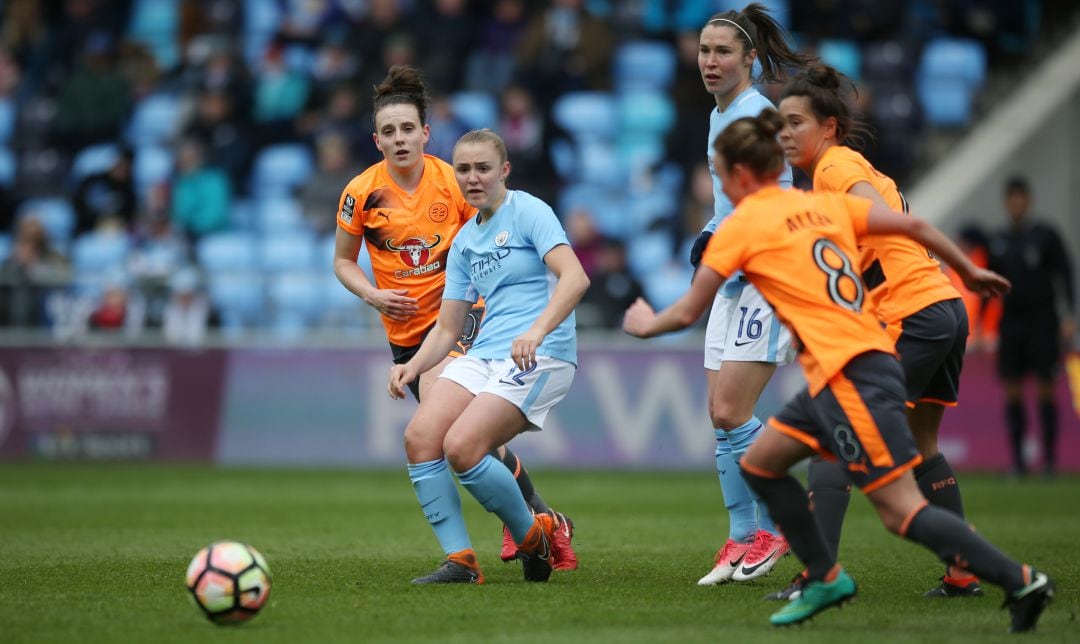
(824, 76)
(402, 79)
(770, 123)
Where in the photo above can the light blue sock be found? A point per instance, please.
(740, 504)
(438, 496)
(741, 438)
(494, 487)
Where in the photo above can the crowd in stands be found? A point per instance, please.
(162, 159)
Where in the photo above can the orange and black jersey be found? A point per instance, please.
(901, 275)
(408, 236)
(797, 247)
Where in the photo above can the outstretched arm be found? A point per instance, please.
(436, 346)
(643, 322)
(884, 221)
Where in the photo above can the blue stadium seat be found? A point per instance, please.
(297, 301)
(156, 24)
(92, 160)
(5, 247)
(599, 163)
(287, 252)
(227, 251)
(664, 284)
(645, 112)
(844, 55)
(282, 214)
(281, 168)
(239, 299)
(644, 66)
(586, 115)
(153, 165)
(606, 206)
(651, 207)
(945, 102)
(155, 120)
(955, 59)
(475, 109)
(261, 19)
(55, 214)
(100, 251)
(7, 119)
(7, 167)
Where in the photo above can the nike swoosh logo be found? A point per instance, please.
(743, 344)
(749, 570)
(430, 502)
(1040, 581)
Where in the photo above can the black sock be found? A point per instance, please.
(789, 508)
(1014, 417)
(1049, 421)
(830, 491)
(525, 484)
(938, 484)
(956, 544)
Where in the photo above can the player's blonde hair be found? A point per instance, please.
(486, 135)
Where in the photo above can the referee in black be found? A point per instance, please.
(1037, 318)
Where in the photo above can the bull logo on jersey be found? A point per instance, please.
(414, 251)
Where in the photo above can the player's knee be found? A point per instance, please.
(462, 453)
(725, 415)
(421, 444)
(891, 517)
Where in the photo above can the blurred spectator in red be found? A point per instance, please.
(118, 309)
(107, 198)
(585, 239)
(565, 49)
(984, 315)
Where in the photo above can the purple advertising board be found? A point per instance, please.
(109, 404)
(636, 405)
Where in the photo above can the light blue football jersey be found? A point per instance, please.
(502, 259)
(749, 103)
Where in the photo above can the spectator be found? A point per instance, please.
(319, 196)
(280, 94)
(27, 275)
(522, 128)
(565, 49)
(446, 129)
(119, 309)
(187, 315)
(98, 83)
(1038, 317)
(201, 194)
(107, 199)
(585, 239)
(492, 64)
(612, 291)
(445, 36)
(225, 134)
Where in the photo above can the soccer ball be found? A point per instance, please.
(229, 581)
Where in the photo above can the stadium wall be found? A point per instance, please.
(630, 407)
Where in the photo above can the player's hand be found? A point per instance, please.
(400, 377)
(698, 249)
(523, 350)
(639, 318)
(394, 303)
(987, 283)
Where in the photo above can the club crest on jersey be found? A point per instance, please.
(415, 252)
(500, 239)
(347, 209)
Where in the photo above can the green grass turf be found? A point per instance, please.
(98, 554)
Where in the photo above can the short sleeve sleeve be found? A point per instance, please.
(859, 210)
(839, 175)
(545, 232)
(350, 214)
(725, 253)
(458, 284)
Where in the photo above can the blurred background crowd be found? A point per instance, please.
(169, 166)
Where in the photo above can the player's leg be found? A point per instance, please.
(905, 512)
(434, 484)
(1045, 362)
(500, 412)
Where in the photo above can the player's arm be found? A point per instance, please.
(865, 190)
(885, 221)
(437, 345)
(569, 289)
(393, 303)
(643, 322)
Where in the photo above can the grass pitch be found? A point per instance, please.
(98, 554)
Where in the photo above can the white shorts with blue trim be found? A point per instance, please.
(534, 391)
(743, 328)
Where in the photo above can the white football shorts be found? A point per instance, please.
(534, 391)
(744, 328)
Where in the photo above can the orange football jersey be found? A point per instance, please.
(799, 249)
(408, 236)
(902, 276)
